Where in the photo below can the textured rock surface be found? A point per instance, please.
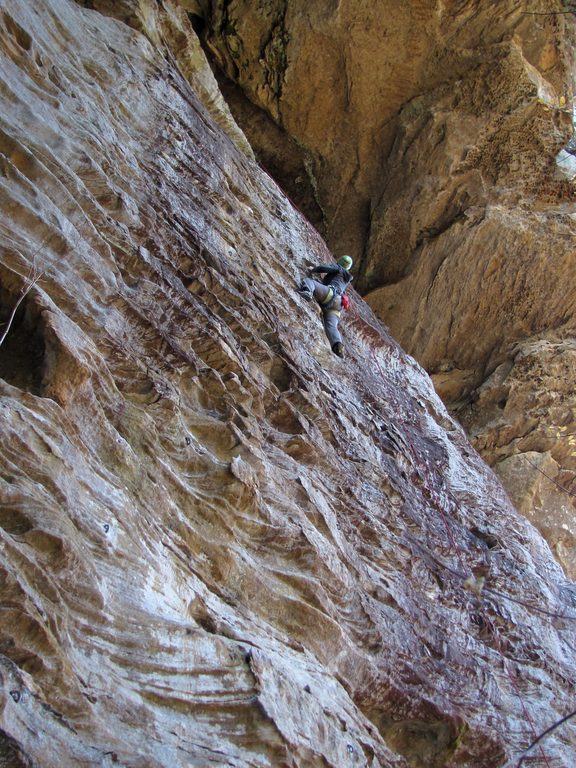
(522, 421)
(332, 77)
(422, 137)
(473, 237)
(221, 545)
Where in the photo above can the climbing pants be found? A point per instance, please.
(330, 316)
(331, 320)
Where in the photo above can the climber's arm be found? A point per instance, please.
(329, 269)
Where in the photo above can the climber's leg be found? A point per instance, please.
(331, 320)
(310, 288)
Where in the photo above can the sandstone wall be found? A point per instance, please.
(423, 138)
(220, 544)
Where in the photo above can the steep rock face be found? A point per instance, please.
(332, 77)
(343, 82)
(422, 138)
(474, 238)
(474, 232)
(511, 423)
(221, 545)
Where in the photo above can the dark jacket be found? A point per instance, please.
(335, 275)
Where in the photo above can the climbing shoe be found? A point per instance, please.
(338, 349)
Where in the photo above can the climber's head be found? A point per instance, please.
(345, 261)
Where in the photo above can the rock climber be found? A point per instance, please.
(329, 295)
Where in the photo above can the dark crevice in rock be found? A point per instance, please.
(490, 541)
(15, 31)
(23, 350)
(11, 755)
(15, 522)
(198, 23)
(276, 151)
(123, 10)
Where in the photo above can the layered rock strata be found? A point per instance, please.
(423, 138)
(220, 544)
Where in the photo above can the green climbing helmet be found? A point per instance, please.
(345, 261)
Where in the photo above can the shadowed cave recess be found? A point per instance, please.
(220, 544)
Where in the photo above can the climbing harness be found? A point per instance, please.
(330, 298)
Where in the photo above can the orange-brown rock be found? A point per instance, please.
(473, 238)
(379, 105)
(522, 422)
(220, 544)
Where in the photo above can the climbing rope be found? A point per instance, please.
(561, 487)
(543, 735)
